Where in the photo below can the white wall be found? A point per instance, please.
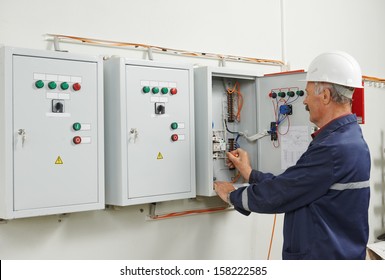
(248, 28)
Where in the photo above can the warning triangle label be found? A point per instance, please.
(160, 156)
(58, 160)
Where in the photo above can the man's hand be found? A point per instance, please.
(223, 189)
(240, 160)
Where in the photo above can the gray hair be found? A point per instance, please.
(339, 94)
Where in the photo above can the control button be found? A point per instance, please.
(52, 85)
(146, 89)
(164, 90)
(76, 126)
(39, 84)
(57, 106)
(76, 86)
(64, 86)
(300, 92)
(173, 91)
(273, 94)
(77, 140)
(155, 90)
(281, 94)
(291, 93)
(174, 125)
(160, 108)
(174, 137)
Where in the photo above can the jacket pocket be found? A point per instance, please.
(295, 256)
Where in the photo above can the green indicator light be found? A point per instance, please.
(291, 93)
(76, 126)
(52, 85)
(164, 90)
(64, 85)
(146, 89)
(39, 84)
(174, 125)
(155, 90)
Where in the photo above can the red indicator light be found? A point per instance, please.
(77, 140)
(174, 137)
(173, 91)
(76, 86)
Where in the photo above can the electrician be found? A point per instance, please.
(325, 195)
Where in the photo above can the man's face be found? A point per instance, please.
(313, 103)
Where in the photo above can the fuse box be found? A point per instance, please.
(263, 115)
(150, 154)
(51, 127)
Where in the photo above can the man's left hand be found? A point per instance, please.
(223, 189)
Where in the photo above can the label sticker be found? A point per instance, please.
(58, 160)
(160, 156)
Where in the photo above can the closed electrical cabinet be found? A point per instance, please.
(149, 131)
(51, 128)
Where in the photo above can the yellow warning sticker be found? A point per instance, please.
(160, 156)
(58, 160)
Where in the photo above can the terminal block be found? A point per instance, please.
(273, 131)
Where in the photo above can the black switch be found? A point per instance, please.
(160, 108)
(57, 106)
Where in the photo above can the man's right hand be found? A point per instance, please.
(240, 160)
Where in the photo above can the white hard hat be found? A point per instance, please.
(335, 67)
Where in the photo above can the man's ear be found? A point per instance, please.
(326, 96)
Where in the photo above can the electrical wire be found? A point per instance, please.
(188, 212)
(237, 90)
(275, 108)
(236, 142)
(292, 101)
(281, 118)
(288, 127)
(227, 129)
(276, 143)
(109, 43)
(272, 236)
(230, 91)
(373, 79)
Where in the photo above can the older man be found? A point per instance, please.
(325, 196)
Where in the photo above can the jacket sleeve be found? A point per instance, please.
(257, 177)
(299, 185)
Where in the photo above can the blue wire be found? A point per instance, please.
(292, 100)
(236, 142)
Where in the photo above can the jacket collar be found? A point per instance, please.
(333, 125)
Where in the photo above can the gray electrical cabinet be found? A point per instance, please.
(51, 133)
(149, 131)
(263, 115)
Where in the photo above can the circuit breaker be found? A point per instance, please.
(149, 121)
(263, 115)
(51, 127)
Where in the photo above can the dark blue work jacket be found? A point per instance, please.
(325, 196)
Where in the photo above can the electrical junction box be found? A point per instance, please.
(263, 115)
(149, 136)
(51, 133)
